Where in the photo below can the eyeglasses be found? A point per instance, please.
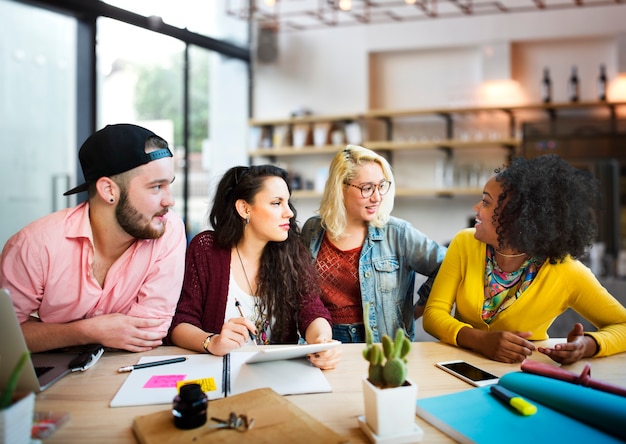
(368, 189)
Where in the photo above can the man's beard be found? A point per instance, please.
(131, 220)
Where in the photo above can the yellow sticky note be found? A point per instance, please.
(207, 384)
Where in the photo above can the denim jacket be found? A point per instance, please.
(389, 258)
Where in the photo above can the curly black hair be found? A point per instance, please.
(547, 208)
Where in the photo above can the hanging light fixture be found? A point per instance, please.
(299, 15)
(345, 5)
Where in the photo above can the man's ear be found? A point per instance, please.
(107, 189)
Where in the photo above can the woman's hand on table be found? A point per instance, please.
(577, 347)
(503, 346)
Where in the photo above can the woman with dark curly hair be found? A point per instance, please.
(517, 270)
(253, 263)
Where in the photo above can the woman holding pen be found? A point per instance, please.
(251, 276)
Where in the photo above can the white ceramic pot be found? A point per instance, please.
(16, 421)
(390, 411)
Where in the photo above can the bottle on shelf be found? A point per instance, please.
(573, 87)
(602, 84)
(546, 86)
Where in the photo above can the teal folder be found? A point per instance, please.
(565, 413)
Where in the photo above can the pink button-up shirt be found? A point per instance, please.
(46, 267)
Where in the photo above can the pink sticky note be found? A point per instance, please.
(164, 381)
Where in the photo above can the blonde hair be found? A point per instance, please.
(343, 169)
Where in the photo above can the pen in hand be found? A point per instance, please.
(130, 368)
(238, 305)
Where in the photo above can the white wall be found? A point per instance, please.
(433, 63)
(327, 70)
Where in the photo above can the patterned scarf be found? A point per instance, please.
(502, 288)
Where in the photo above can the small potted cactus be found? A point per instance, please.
(387, 364)
(388, 394)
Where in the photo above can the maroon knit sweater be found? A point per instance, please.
(205, 291)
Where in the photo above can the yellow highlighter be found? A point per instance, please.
(514, 400)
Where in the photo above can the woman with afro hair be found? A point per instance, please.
(517, 270)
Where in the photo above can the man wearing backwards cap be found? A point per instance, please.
(110, 270)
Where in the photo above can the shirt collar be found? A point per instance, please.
(374, 233)
(78, 222)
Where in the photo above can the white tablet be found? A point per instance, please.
(276, 353)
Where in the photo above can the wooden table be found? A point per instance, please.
(87, 395)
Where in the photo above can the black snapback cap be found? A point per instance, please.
(113, 150)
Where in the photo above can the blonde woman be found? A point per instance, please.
(363, 254)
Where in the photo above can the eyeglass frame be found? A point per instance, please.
(375, 186)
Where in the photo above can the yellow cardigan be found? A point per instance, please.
(555, 289)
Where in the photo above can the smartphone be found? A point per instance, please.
(468, 373)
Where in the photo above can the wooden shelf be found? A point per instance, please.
(305, 119)
(306, 194)
(446, 142)
(442, 143)
(295, 151)
(390, 113)
(385, 146)
(438, 192)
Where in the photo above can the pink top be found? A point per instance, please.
(46, 267)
